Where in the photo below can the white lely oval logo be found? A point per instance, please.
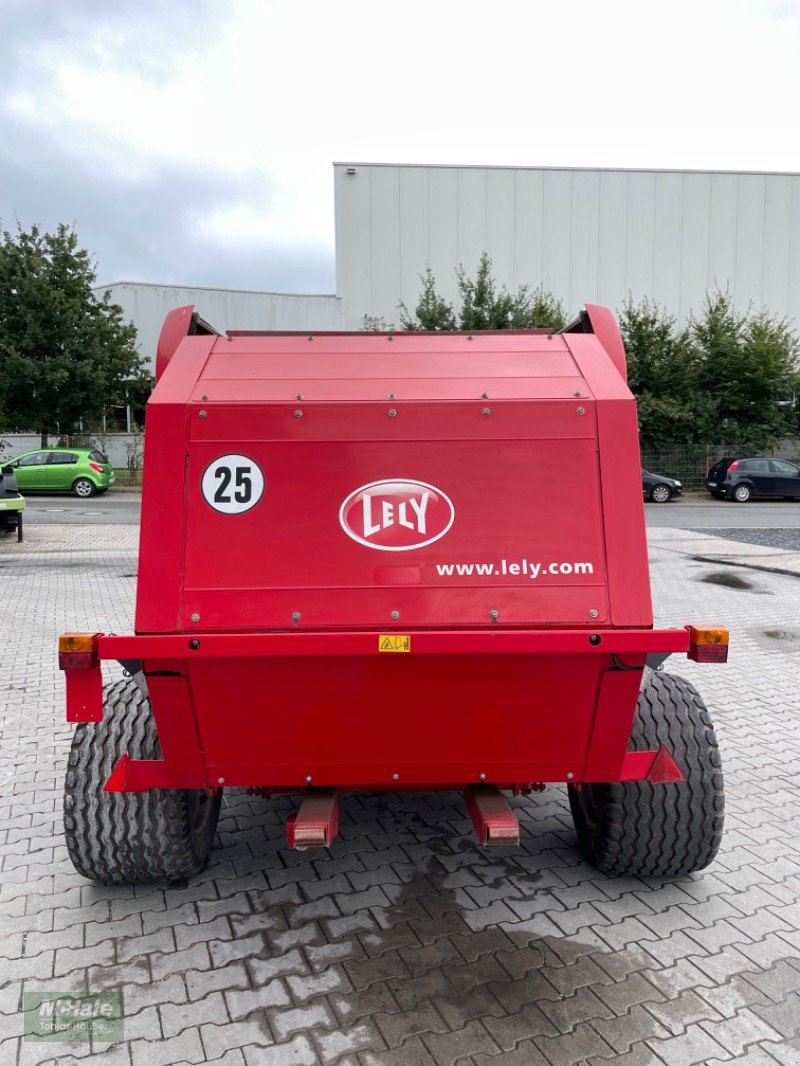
(396, 515)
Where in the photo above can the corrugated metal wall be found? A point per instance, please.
(147, 305)
(590, 236)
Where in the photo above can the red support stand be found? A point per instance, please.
(494, 821)
(316, 823)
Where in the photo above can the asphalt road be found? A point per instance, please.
(112, 508)
(702, 512)
(693, 512)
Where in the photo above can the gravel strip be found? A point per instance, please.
(787, 539)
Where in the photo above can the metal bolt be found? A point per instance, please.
(204, 397)
(195, 617)
(486, 411)
(392, 396)
(469, 338)
(484, 395)
(392, 413)
(390, 337)
(308, 779)
(395, 615)
(311, 338)
(220, 780)
(296, 616)
(494, 615)
(594, 612)
(570, 775)
(481, 777)
(581, 410)
(194, 644)
(202, 414)
(298, 413)
(395, 777)
(299, 396)
(576, 394)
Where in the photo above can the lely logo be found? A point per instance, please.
(396, 516)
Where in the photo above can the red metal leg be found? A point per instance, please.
(316, 823)
(494, 821)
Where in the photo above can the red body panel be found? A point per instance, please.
(472, 503)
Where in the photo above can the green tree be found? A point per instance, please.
(432, 312)
(726, 377)
(483, 305)
(748, 364)
(663, 367)
(64, 355)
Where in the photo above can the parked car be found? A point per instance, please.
(741, 479)
(78, 470)
(660, 489)
(715, 478)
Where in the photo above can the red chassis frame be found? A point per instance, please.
(609, 661)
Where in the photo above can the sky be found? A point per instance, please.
(191, 142)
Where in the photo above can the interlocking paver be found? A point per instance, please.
(176, 1018)
(241, 1003)
(691, 1048)
(218, 1038)
(470, 1040)
(333, 1045)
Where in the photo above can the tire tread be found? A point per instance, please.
(660, 830)
(128, 837)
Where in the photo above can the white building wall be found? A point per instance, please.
(590, 236)
(147, 305)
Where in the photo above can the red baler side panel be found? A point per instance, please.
(162, 531)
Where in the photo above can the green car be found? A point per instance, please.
(76, 470)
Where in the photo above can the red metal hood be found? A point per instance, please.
(392, 482)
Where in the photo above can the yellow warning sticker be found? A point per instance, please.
(394, 642)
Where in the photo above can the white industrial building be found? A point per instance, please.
(588, 236)
(146, 305)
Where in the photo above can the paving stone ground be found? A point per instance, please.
(406, 943)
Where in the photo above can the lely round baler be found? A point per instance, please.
(392, 561)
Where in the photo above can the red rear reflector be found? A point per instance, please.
(664, 769)
(94, 466)
(733, 465)
(76, 660)
(708, 653)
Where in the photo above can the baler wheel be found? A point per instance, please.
(131, 837)
(660, 830)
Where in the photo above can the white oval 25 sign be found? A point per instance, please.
(232, 484)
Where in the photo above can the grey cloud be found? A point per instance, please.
(143, 231)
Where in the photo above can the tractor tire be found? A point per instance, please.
(658, 830)
(131, 837)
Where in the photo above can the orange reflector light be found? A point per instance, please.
(78, 651)
(708, 644)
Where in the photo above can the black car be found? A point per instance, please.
(715, 478)
(660, 489)
(741, 479)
